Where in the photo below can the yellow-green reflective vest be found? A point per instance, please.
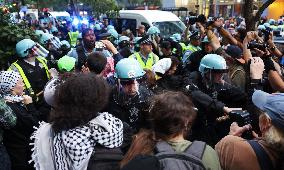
(73, 38)
(152, 59)
(24, 77)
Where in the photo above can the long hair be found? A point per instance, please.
(78, 100)
(171, 114)
(274, 137)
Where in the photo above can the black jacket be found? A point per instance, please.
(134, 111)
(194, 60)
(17, 139)
(169, 83)
(210, 104)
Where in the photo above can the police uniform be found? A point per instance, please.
(145, 61)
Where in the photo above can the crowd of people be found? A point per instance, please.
(91, 98)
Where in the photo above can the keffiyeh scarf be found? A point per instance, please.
(8, 80)
(72, 149)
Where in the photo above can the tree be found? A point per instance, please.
(248, 13)
(11, 33)
(101, 6)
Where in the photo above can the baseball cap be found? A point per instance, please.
(235, 52)
(145, 40)
(272, 104)
(66, 63)
(162, 65)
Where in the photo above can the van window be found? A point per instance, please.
(169, 28)
(127, 24)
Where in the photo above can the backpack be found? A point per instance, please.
(105, 159)
(190, 159)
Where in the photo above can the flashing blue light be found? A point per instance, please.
(75, 21)
(85, 21)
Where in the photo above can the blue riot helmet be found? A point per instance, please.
(24, 46)
(66, 43)
(110, 27)
(47, 39)
(114, 36)
(97, 27)
(39, 32)
(128, 69)
(136, 44)
(153, 31)
(54, 30)
(261, 27)
(267, 25)
(44, 39)
(271, 21)
(113, 33)
(212, 63)
(176, 37)
(123, 41)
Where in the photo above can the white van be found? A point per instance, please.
(167, 22)
(60, 15)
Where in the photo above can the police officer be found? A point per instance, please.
(124, 46)
(34, 72)
(73, 37)
(193, 46)
(145, 56)
(129, 100)
(32, 68)
(53, 45)
(195, 58)
(154, 34)
(213, 97)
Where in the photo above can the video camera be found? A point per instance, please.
(242, 117)
(202, 19)
(266, 32)
(255, 44)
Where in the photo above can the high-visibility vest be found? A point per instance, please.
(183, 47)
(152, 59)
(189, 51)
(24, 77)
(193, 48)
(73, 38)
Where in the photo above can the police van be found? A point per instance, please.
(167, 22)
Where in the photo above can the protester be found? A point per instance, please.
(7, 120)
(78, 126)
(17, 139)
(172, 116)
(265, 152)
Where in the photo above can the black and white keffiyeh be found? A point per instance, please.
(8, 80)
(72, 149)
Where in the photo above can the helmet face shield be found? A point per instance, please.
(56, 43)
(129, 87)
(39, 50)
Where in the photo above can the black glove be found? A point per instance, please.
(268, 64)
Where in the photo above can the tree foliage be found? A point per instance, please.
(10, 34)
(101, 7)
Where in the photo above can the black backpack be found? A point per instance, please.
(105, 159)
(190, 159)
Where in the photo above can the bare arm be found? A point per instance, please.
(276, 81)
